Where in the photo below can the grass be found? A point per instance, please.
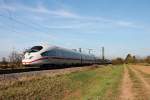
(101, 83)
(146, 64)
(94, 84)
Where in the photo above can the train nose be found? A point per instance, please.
(25, 62)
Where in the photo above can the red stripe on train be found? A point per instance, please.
(54, 58)
(36, 60)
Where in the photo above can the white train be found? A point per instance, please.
(46, 55)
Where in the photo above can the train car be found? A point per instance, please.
(46, 55)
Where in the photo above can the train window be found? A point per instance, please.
(59, 53)
(69, 54)
(35, 49)
(64, 54)
(52, 53)
(49, 53)
(75, 55)
(44, 53)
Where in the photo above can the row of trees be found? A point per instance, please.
(131, 59)
(13, 60)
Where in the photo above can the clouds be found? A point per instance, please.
(33, 22)
(38, 9)
(7, 7)
(63, 18)
(41, 12)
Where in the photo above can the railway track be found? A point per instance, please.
(32, 69)
(17, 75)
(29, 69)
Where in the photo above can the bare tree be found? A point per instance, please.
(4, 60)
(129, 59)
(15, 59)
(4, 63)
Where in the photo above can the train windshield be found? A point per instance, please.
(35, 49)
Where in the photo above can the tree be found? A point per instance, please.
(15, 59)
(135, 60)
(4, 63)
(117, 61)
(4, 60)
(147, 60)
(129, 59)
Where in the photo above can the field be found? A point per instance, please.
(111, 82)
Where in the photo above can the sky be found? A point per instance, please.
(121, 26)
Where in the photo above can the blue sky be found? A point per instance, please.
(121, 26)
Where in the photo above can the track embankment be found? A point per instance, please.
(12, 77)
(86, 83)
(112, 82)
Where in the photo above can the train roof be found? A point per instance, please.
(51, 47)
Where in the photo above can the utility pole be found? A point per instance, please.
(103, 53)
(90, 50)
(80, 50)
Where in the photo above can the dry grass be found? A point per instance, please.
(96, 83)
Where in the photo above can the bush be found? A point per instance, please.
(117, 61)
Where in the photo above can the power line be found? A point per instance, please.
(80, 50)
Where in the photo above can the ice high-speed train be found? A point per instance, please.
(53, 55)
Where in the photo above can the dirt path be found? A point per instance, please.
(144, 69)
(126, 87)
(144, 82)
